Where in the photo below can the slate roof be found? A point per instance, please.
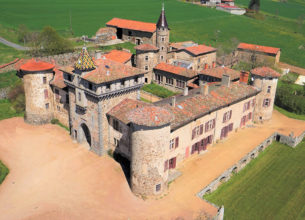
(219, 71)
(34, 65)
(183, 44)
(176, 70)
(146, 47)
(119, 56)
(258, 48)
(199, 49)
(162, 22)
(265, 72)
(132, 25)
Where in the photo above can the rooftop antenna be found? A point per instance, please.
(163, 6)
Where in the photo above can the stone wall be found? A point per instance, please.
(144, 37)
(8, 66)
(248, 56)
(4, 93)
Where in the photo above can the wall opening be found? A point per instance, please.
(119, 33)
(125, 164)
(85, 137)
(278, 138)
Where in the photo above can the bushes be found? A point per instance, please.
(17, 97)
(55, 121)
(3, 172)
(290, 98)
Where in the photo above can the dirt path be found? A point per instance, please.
(292, 68)
(53, 178)
(13, 45)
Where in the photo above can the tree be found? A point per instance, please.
(254, 5)
(50, 43)
(23, 33)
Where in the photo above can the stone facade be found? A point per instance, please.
(39, 99)
(146, 61)
(258, 57)
(61, 105)
(139, 37)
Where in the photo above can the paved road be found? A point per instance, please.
(10, 44)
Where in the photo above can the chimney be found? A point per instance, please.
(173, 101)
(225, 81)
(244, 77)
(186, 91)
(206, 89)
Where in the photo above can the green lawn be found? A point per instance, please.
(272, 186)
(8, 79)
(158, 90)
(7, 111)
(8, 54)
(187, 21)
(127, 45)
(3, 172)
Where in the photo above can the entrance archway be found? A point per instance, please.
(85, 137)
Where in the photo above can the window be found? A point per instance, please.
(246, 106)
(47, 105)
(146, 67)
(162, 48)
(169, 81)
(162, 39)
(129, 33)
(176, 142)
(90, 86)
(198, 60)
(146, 80)
(250, 115)
(209, 125)
(172, 163)
(201, 129)
(44, 80)
(108, 86)
(116, 125)
(46, 94)
(227, 116)
(158, 78)
(171, 144)
(136, 79)
(158, 187)
(269, 89)
(165, 165)
(57, 95)
(58, 108)
(79, 97)
(180, 84)
(69, 77)
(266, 102)
(197, 131)
(67, 98)
(146, 58)
(161, 57)
(253, 102)
(231, 127)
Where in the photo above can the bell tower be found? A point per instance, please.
(162, 36)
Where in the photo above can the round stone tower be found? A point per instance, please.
(38, 93)
(265, 79)
(149, 144)
(146, 59)
(162, 36)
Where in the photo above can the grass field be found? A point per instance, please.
(272, 186)
(289, 114)
(7, 111)
(187, 21)
(9, 79)
(158, 90)
(8, 54)
(3, 172)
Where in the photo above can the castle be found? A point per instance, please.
(99, 99)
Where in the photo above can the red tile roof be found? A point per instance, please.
(259, 48)
(58, 79)
(132, 25)
(107, 71)
(148, 47)
(36, 66)
(219, 71)
(118, 56)
(150, 116)
(199, 49)
(176, 70)
(265, 72)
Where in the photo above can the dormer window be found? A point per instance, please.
(90, 86)
(108, 86)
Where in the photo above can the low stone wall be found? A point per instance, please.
(226, 175)
(8, 66)
(4, 93)
(150, 97)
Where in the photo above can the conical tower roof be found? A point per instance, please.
(84, 61)
(162, 22)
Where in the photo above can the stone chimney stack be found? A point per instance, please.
(98, 54)
(186, 91)
(244, 77)
(173, 101)
(204, 89)
(225, 81)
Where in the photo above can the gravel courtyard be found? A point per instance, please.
(51, 177)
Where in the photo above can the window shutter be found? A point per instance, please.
(230, 114)
(193, 149)
(174, 163)
(201, 129)
(177, 142)
(165, 165)
(213, 123)
(193, 134)
(224, 118)
(206, 126)
(46, 95)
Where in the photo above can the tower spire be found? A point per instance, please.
(162, 22)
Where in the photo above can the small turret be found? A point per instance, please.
(162, 36)
(84, 62)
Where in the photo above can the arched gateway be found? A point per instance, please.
(85, 136)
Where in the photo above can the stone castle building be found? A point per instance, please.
(99, 99)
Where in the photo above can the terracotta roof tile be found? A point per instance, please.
(265, 72)
(36, 66)
(132, 25)
(148, 47)
(176, 70)
(58, 79)
(219, 71)
(199, 49)
(259, 48)
(118, 56)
